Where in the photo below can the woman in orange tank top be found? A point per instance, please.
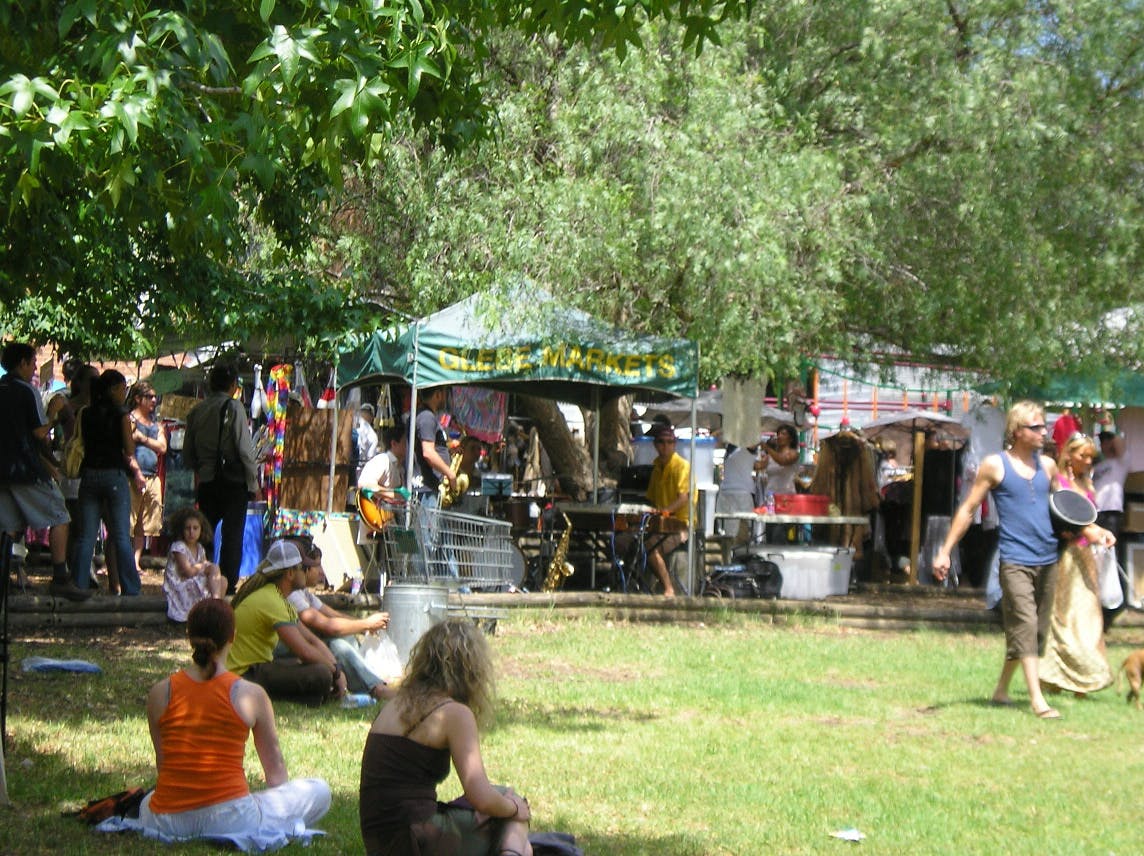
(200, 718)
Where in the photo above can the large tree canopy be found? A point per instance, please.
(960, 181)
(143, 142)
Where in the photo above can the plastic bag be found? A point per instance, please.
(380, 655)
(1108, 577)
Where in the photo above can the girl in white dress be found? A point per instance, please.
(189, 577)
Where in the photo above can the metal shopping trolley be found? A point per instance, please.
(462, 551)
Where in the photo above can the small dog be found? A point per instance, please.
(1133, 668)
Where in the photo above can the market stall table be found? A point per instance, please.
(809, 572)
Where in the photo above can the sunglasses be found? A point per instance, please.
(1040, 426)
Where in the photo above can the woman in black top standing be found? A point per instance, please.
(108, 463)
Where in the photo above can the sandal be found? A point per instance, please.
(1047, 713)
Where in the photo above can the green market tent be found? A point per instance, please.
(523, 340)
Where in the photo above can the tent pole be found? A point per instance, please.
(691, 493)
(916, 510)
(333, 444)
(410, 456)
(596, 445)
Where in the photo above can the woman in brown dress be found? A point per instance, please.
(446, 692)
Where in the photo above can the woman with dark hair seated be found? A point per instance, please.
(446, 692)
(200, 718)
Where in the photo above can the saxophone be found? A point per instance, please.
(559, 569)
(447, 495)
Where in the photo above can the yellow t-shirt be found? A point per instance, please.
(668, 481)
(256, 623)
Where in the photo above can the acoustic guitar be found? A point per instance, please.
(375, 513)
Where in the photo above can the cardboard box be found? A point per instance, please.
(173, 406)
(1134, 483)
(1133, 517)
(809, 573)
(305, 486)
(308, 438)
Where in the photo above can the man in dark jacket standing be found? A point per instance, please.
(219, 448)
(29, 495)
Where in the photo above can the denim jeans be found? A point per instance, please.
(109, 490)
(436, 553)
(359, 677)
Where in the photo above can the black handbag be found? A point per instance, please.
(228, 465)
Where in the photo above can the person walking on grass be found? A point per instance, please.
(1020, 479)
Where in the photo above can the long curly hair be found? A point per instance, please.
(179, 520)
(452, 659)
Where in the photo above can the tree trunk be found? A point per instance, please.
(569, 458)
(572, 460)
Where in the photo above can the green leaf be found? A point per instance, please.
(265, 10)
(347, 91)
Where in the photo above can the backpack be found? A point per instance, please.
(121, 804)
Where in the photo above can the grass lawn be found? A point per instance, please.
(735, 736)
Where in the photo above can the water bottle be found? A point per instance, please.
(770, 502)
(351, 700)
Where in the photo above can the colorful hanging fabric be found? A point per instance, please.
(481, 412)
(278, 398)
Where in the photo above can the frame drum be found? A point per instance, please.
(1071, 512)
(519, 566)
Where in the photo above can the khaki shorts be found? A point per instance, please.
(1026, 607)
(149, 504)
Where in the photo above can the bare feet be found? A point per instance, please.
(1047, 713)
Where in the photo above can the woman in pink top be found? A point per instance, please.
(1075, 659)
(200, 718)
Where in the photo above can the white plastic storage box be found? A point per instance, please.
(810, 573)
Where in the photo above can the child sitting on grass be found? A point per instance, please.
(189, 577)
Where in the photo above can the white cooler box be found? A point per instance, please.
(810, 573)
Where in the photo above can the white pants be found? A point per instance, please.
(263, 819)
